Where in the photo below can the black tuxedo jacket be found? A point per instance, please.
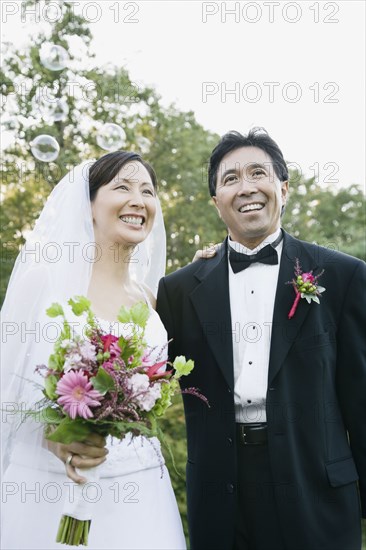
(316, 399)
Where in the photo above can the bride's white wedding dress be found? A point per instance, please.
(134, 506)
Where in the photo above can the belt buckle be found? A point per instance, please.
(246, 434)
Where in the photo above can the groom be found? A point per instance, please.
(278, 461)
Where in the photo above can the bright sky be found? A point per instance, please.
(296, 68)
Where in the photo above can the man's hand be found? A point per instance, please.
(86, 454)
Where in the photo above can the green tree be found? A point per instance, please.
(334, 218)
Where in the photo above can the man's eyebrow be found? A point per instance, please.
(238, 167)
(264, 165)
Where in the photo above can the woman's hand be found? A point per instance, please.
(86, 454)
(206, 253)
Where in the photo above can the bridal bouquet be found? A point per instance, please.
(102, 383)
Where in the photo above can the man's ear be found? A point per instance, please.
(214, 200)
(284, 192)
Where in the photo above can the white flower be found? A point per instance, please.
(87, 350)
(72, 362)
(140, 384)
(67, 344)
(150, 397)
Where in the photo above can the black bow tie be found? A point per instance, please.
(267, 255)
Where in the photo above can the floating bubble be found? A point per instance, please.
(144, 144)
(56, 110)
(45, 148)
(50, 108)
(111, 137)
(53, 57)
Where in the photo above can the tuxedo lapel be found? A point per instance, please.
(211, 301)
(285, 331)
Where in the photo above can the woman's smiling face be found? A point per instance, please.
(124, 209)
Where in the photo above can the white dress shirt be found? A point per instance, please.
(252, 297)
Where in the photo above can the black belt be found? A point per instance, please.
(252, 434)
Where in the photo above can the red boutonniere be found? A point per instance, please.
(305, 286)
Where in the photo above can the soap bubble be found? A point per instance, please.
(111, 137)
(56, 110)
(50, 108)
(144, 144)
(53, 57)
(45, 148)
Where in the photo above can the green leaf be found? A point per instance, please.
(140, 314)
(51, 416)
(55, 310)
(124, 427)
(69, 431)
(80, 305)
(102, 382)
(50, 387)
(182, 366)
(124, 315)
(56, 361)
(320, 289)
(137, 314)
(316, 299)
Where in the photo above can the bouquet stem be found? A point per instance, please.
(73, 532)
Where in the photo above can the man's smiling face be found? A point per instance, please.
(249, 195)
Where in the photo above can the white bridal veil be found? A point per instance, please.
(54, 264)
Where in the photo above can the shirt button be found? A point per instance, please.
(229, 487)
(250, 362)
(249, 401)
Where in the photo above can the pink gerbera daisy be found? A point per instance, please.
(77, 395)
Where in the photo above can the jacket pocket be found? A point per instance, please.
(341, 472)
(315, 341)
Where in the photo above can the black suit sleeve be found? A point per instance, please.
(163, 307)
(351, 371)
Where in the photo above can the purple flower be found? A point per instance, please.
(77, 395)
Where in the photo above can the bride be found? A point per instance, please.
(100, 234)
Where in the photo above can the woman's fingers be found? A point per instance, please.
(87, 454)
(73, 461)
(95, 440)
(206, 253)
(88, 450)
(73, 475)
(83, 462)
